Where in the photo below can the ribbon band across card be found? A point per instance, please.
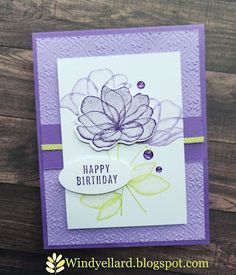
(54, 147)
(51, 145)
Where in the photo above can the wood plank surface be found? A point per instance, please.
(21, 17)
(20, 215)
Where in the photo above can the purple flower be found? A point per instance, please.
(115, 117)
(168, 117)
(106, 112)
(91, 85)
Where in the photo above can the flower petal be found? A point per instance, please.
(94, 118)
(67, 103)
(89, 132)
(113, 103)
(113, 98)
(85, 86)
(148, 130)
(98, 78)
(106, 141)
(77, 99)
(165, 137)
(106, 138)
(169, 109)
(109, 135)
(127, 98)
(157, 112)
(138, 113)
(117, 81)
(167, 123)
(102, 145)
(131, 132)
(138, 99)
(91, 103)
(125, 94)
(153, 102)
(145, 117)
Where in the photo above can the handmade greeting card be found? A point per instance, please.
(122, 140)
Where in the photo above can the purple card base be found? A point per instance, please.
(47, 47)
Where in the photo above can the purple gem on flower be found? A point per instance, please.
(148, 154)
(141, 84)
(158, 169)
(115, 117)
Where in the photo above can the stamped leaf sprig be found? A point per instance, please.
(108, 205)
(150, 186)
(142, 183)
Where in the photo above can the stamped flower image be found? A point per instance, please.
(168, 117)
(115, 117)
(92, 86)
(108, 114)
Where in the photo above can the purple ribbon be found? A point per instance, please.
(51, 134)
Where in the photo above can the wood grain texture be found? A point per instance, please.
(20, 216)
(20, 18)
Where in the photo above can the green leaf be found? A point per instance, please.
(110, 208)
(138, 179)
(58, 258)
(60, 269)
(50, 259)
(152, 185)
(49, 264)
(61, 263)
(96, 201)
(142, 171)
(49, 270)
(54, 256)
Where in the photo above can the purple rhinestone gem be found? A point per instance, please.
(148, 154)
(158, 169)
(140, 84)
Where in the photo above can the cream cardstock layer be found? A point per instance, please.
(108, 116)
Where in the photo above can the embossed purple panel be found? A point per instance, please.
(48, 47)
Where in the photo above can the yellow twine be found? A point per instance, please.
(51, 147)
(189, 140)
